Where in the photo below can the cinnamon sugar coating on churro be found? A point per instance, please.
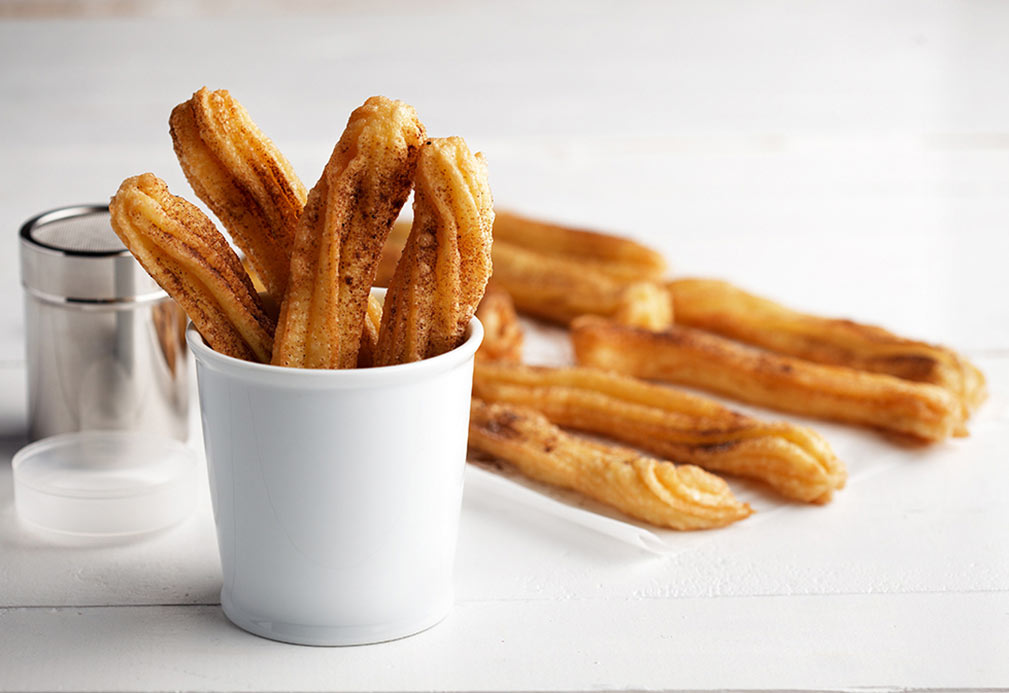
(244, 179)
(340, 234)
(179, 246)
(794, 460)
(720, 307)
(695, 358)
(656, 491)
(443, 270)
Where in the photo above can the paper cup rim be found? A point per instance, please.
(335, 378)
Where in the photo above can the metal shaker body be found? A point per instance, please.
(105, 346)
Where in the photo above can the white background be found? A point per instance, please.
(846, 158)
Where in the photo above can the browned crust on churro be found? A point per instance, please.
(794, 460)
(244, 179)
(615, 256)
(169, 321)
(680, 497)
(443, 271)
(179, 246)
(700, 359)
(369, 333)
(554, 288)
(502, 334)
(720, 307)
(340, 234)
(391, 252)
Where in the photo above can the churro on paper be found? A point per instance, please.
(656, 491)
(794, 460)
(502, 334)
(553, 288)
(556, 274)
(691, 357)
(645, 304)
(615, 256)
(340, 234)
(719, 307)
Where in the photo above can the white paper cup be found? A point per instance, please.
(336, 493)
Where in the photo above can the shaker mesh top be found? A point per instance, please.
(89, 233)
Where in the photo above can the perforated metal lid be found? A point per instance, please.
(75, 230)
(72, 255)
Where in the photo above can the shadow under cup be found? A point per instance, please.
(336, 493)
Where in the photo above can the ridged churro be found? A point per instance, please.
(720, 307)
(502, 333)
(656, 491)
(244, 179)
(443, 270)
(546, 283)
(615, 256)
(180, 247)
(369, 333)
(555, 288)
(700, 359)
(794, 460)
(340, 234)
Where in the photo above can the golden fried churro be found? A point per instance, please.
(619, 258)
(444, 268)
(179, 246)
(238, 172)
(794, 460)
(700, 359)
(391, 252)
(720, 307)
(169, 321)
(369, 334)
(645, 304)
(555, 288)
(656, 491)
(552, 287)
(502, 333)
(340, 235)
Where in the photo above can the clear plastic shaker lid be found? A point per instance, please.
(104, 483)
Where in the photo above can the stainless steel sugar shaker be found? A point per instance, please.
(105, 346)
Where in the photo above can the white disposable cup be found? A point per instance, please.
(336, 493)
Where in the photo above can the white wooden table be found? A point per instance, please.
(849, 159)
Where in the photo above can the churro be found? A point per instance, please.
(180, 247)
(545, 283)
(656, 491)
(391, 252)
(615, 256)
(645, 304)
(794, 460)
(720, 307)
(700, 359)
(369, 333)
(244, 179)
(502, 333)
(443, 271)
(555, 288)
(340, 234)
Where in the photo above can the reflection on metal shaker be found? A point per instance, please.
(105, 345)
